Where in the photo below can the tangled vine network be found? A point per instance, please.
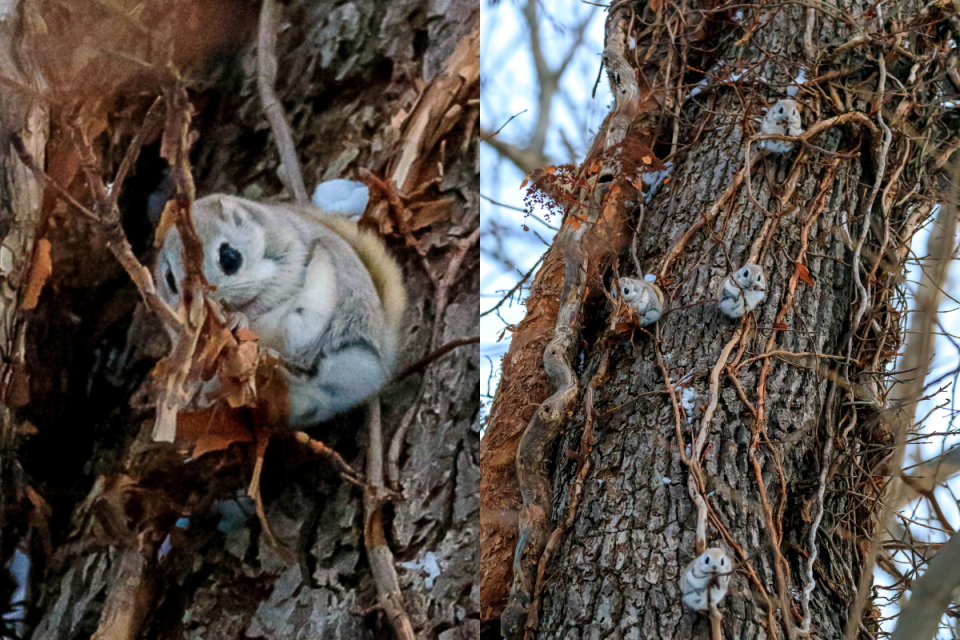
(877, 84)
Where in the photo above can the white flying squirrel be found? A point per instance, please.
(783, 118)
(646, 298)
(742, 290)
(321, 293)
(704, 581)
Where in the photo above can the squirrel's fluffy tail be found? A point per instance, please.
(386, 276)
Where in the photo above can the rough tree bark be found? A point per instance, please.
(384, 90)
(851, 192)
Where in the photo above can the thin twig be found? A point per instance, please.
(696, 488)
(810, 581)
(515, 287)
(436, 354)
(150, 123)
(346, 472)
(378, 552)
(490, 135)
(716, 620)
(290, 173)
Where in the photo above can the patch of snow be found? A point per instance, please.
(165, 548)
(797, 83)
(650, 277)
(428, 566)
(688, 399)
(345, 197)
(19, 569)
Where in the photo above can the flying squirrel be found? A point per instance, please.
(742, 290)
(783, 118)
(705, 580)
(644, 297)
(323, 295)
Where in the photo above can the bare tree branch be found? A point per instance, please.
(916, 358)
(931, 595)
(532, 155)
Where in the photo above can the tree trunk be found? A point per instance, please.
(129, 539)
(848, 194)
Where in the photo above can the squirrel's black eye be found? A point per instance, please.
(706, 560)
(230, 259)
(721, 562)
(171, 282)
(746, 272)
(781, 109)
(626, 290)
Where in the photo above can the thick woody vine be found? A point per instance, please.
(860, 93)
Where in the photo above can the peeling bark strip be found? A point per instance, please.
(792, 454)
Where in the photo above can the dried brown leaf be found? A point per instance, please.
(424, 214)
(213, 429)
(510, 327)
(40, 269)
(804, 274)
(18, 391)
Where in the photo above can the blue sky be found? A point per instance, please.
(509, 88)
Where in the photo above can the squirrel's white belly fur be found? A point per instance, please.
(322, 294)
